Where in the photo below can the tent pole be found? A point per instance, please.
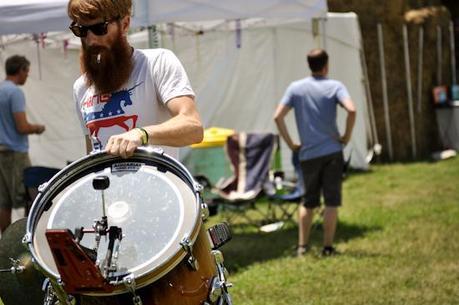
(371, 113)
(324, 31)
(153, 41)
(453, 53)
(39, 60)
(318, 31)
(409, 90)
(439, 61)
(384, 91)
(420, 66)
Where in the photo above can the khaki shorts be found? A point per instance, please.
(12, 190)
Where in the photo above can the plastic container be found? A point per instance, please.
(208, 158)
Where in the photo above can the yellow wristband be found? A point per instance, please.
(144, 135)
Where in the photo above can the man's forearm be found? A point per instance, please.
(179, 131)
(283, 131)
(350, 122)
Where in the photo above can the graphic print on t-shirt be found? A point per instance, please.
(108, 110)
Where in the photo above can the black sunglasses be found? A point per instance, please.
(98, 29)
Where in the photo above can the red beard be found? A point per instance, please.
(107, 68)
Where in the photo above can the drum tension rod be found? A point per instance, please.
(129, 282)
(187, 245)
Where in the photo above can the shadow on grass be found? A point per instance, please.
(247, 248)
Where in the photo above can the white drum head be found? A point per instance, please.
(154, 209)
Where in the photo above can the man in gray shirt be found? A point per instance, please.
(14, 129)
(314, 100)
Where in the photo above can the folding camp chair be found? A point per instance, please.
(250, 155)
(283, 203)
(34, 176)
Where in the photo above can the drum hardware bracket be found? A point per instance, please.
(216, 290)
(114, 233)
(219, 235)
(220, 285)
(187, 245)
(114, 265)
(101, 183)
(16, 268)
(50, 297)
(57, 293)
(129, 282)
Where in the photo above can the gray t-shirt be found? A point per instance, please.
(12, 100)
(314, 101)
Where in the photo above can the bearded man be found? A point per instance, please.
(128, 97)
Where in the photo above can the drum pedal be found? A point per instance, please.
(77, 270)
(219, 235)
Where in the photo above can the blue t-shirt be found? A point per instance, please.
(12, 100)
(314, 100)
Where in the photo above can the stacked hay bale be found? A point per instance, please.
(393, 14)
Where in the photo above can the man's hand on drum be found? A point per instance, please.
(124, 144)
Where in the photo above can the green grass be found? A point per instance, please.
(398, 236)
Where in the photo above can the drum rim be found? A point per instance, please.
(98, 158)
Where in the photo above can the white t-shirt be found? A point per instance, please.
(157, 77)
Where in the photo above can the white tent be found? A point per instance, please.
(237, 87)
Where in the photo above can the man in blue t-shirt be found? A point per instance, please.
(14, 128)
(314, 100)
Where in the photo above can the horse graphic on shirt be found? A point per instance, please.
(112, 113)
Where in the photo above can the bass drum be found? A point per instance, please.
(156, 203)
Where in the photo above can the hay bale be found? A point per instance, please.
(392, 14)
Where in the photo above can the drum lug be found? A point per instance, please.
(27, 239)
(204, 211)
(158, 150)
(129, 282)
(198, 187)
(187, 245)
(42, 186)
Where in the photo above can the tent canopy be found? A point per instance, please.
(238, 82)
(152, 12)
(33, 16)
(36, 16)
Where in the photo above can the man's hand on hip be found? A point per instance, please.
(295, 147)
(39, 129)
(345, 139)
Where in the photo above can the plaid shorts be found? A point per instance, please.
(12, 190)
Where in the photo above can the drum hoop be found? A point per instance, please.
(91, 161)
